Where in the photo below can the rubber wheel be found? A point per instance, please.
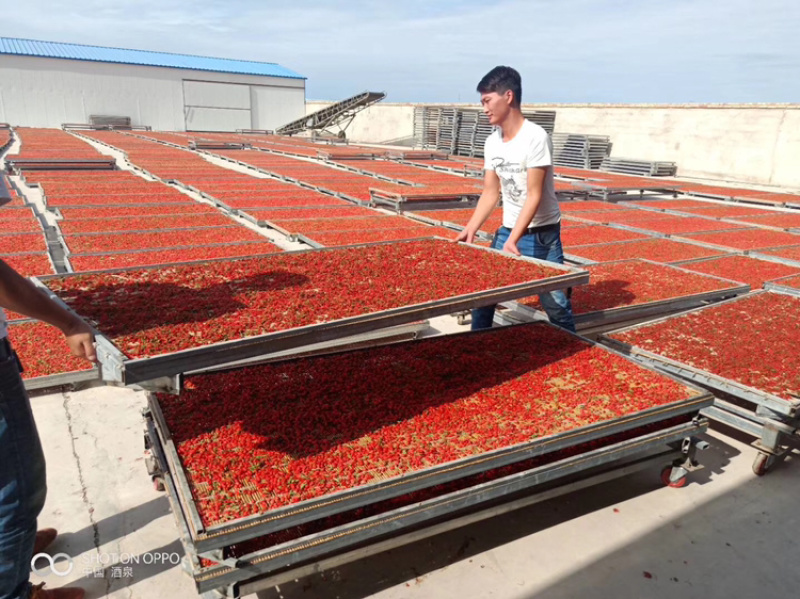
(762, 464)
(665, 473)
(158, 484)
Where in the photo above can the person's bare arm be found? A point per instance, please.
(20, 295)
(486, 204)
(529, 208)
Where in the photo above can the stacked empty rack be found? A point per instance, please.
(647, 168)
(577, 150)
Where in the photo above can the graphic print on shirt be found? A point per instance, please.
(506, 171)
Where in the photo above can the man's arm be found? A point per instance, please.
(529, 208)
(488, 201)
(20, 295)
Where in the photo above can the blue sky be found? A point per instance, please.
(626, 51)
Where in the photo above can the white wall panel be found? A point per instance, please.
(275, 106)
(757, 144)
(216, 95)
(216, 119)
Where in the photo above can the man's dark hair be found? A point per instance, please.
(500, 80)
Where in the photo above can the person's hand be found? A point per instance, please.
(467, 236)
(81, 340)
(511, 247)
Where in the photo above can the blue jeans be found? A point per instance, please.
(23, 485)
(544, 246)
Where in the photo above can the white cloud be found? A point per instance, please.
(571, 51)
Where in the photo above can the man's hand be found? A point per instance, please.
(467, 235)
(81, 340)
(511, 247)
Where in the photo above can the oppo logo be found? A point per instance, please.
(51, 567)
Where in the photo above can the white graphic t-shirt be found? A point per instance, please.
(530, 148)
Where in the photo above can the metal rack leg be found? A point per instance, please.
(773, 445)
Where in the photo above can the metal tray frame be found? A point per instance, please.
(379, 337)
(43, 236)
(677, 211)
(62, 379)
(776, 286)
(220, 536)
(740, 199)
(68, 252)
(335, 164)
(649, 309)
(673, 236)
(53, 208)
(55, 380)
(159, 230)
(480, 234)
(424, 219)
(702, 377)
(56, 248)
(315, 244)
(116, 367)
(660, 446)
(26, 206)
(298, 236)
(559, 487)
(401, 203)
(215, 538)
(261, 222)
(116, 149)
(728, 249)
(759, 201)
(757, 225)
(605, 190)
(181, 263)
(309, 240)
(777, 420)
(573, 259)
(464, 171)
(405, 207)
(774, 258)
(723, 250)
(297, 182)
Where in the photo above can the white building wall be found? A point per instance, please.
(214, 106)
(273, 106)
(758, 144)
(46, 92)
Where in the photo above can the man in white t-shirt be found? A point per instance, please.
(518, 165)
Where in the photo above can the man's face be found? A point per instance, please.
(496, 105)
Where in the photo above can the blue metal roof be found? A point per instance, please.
(23, 47)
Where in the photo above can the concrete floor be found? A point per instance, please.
(728, 534)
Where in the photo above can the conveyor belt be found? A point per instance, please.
(340, 113)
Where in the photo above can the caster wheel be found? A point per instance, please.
(158, 484)
(460, 320)
(762, 464)
(151, 465)
(675, 484)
